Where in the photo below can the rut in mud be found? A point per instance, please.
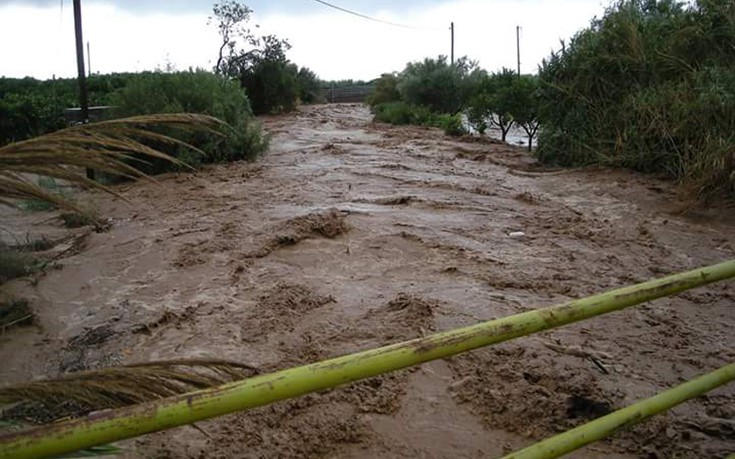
(349, 235)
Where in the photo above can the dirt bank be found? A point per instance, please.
(350, 235)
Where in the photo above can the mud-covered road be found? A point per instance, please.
(349, 235)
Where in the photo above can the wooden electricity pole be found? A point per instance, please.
(81, 77)
(518, 48)
(451, 27)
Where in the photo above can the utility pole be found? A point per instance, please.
(81, 78)
(452, 29)
(89, 62)
(518, 48)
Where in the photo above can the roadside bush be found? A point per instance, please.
(309, 86)
(650, 86)
(452, 125)
(23, 116)
(194, 92)
(437, 84)
(30, 107)
(386, 90)
(271, 86)
(401, 113)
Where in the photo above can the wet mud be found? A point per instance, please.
(350, 235)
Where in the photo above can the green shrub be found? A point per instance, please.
(493, 101)
(195, 92)
(386, 90)
(439, 85)
(650, 86)
(309, 86)
(401, 113)
(452, 125)
(272, 87)
(30, 107)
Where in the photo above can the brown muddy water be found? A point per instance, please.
(350, 235)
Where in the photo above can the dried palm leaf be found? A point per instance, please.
(79, 393)
(107, 146)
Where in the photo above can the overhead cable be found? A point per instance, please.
(365, 16)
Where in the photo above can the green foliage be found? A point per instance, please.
(650, 86)
(437, 84)
(24, 115)
(194, 92)
(269, 78)
(386, 90)
(401, 113)
(452, 125)
(493, 100)
(309, 86)
(231, 18)
(273, 84)
(524, 105)
(30, 107)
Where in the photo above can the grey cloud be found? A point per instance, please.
(259, 6)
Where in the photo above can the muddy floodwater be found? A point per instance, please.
(349, 235)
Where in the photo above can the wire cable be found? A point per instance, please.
(365, 16)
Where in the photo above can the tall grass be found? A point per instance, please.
(107, 146)
(649, 86)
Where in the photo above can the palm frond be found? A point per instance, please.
(79, 393)
(107, 146)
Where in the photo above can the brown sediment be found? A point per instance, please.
(350, 235)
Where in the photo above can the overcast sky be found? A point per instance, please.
(37, 37)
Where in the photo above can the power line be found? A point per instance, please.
(364, 16)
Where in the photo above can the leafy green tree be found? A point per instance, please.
(268, 77)
(493, 101)
(437, 84)
(309, 86)
(231, 18)
(526, 105)
(480, 105)
(386, 90)
(272, 82)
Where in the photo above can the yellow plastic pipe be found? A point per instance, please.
(113, 425)
(605, 426)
